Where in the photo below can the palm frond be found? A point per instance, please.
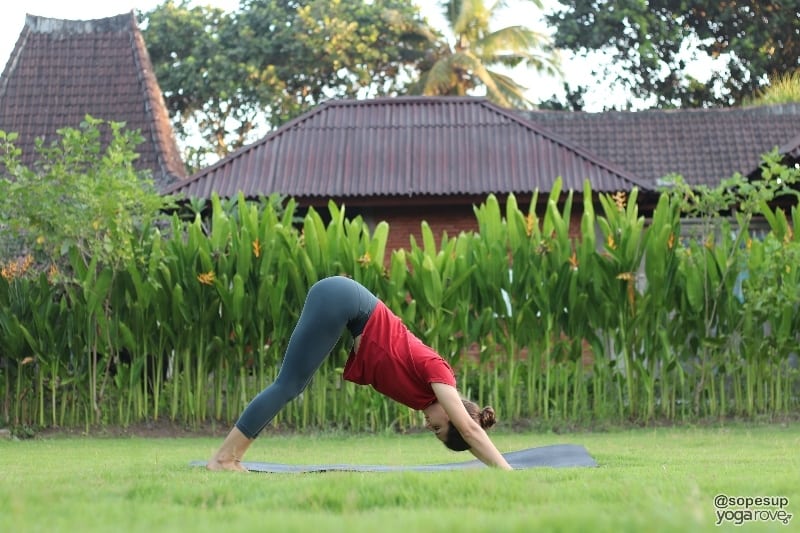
(472, 18)
(440, 79)
(517, 39)
(516, 45)
(493, 91)
(502, 4)
(511, 91)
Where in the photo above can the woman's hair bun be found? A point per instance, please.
(487, 418)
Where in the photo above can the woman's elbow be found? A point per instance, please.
(472, 432)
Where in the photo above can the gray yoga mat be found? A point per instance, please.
(555, 456)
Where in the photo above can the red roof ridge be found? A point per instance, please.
(39, 24)
(563, 141)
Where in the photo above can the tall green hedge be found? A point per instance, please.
(630, 320)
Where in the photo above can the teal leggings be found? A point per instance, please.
(331, 305)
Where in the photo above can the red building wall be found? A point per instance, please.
(405, 217)
(405, 222)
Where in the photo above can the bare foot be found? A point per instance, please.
(233, 465)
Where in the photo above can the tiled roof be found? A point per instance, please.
(792, 148)
(62, 70)
(408, 146)
(703, 145)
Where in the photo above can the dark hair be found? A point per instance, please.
(485, 417)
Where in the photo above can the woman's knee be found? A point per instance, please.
(290, 387)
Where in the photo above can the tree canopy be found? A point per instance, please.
(650, 40)
(231, 77)
(200, 80)
(235, 75)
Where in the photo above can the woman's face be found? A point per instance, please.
(437, 421)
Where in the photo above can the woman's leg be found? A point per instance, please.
(331, 305)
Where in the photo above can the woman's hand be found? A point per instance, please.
(480, 445)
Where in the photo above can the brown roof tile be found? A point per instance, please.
(62, 70)
(703, 145)
(409, 146)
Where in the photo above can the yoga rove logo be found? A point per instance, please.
(737, 510)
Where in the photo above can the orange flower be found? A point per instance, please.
(17, 267)
(529, 221)
(8, 271)
(207, 278)
(620, 198)
(573, 261)
(610, 242)
(52, 273)
(671, 241)
(628, 276)
(256, 248)
(365, 259)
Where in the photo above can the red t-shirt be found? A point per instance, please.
(396, 363)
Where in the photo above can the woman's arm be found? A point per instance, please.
(479, 442)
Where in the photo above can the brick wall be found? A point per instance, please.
(406, 222)
(405, 218)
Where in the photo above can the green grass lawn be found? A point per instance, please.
(662, 479)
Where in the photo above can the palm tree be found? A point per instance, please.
(468, 62)
(783, 89)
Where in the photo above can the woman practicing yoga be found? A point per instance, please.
(385, 355)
